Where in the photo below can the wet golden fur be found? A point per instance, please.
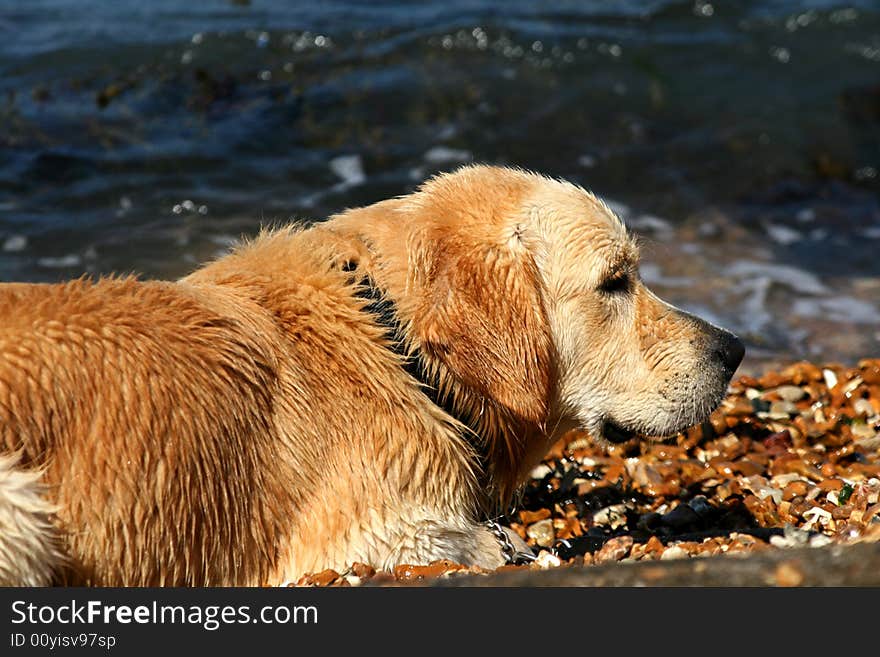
(250, 423)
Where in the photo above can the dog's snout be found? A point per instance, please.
(729, 349)
(723, 345)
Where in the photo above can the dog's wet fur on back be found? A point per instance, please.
(260, 418)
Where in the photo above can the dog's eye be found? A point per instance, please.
(615, 284)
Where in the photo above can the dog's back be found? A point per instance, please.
(136, 401)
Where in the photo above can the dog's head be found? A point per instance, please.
(523, 295)
(527, 290)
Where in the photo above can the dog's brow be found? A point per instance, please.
(623, 257)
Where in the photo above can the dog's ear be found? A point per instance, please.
(483, 317)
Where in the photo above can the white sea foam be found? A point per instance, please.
(588, 161)
(653, 224)
(443, 154)
(848, 308)
(782, 234)
(15, 243)
(350, 168)
(792, 277)
(69, 260)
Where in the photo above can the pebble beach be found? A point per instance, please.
(789, 461)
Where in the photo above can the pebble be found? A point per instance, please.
(674, 552)
(791, 394)
(794, 449)
(794, 489)
(782, 408)
(546, 560)
(820, 540)
(614, 549)
(863, 407)
(542, 532)
(530, 517)
(362, 570)
(614, 516)
(540, 471)
(830, 378)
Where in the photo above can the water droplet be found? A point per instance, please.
(866, 173)
(587, 161)
(197, 38)
(703, 9)
(262, 39)
(782, 55)
(265, 76)
(186, 57)
(805, 215)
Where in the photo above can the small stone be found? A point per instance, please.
(542, 532)
(614, 516)
(780, 408)
(324, 578)
(830, 378)
(540, 471)
(740, 408)
(752, 393)
(816, 514)
(654, 546)
(791, 393)
(614, 549)
(862, 432)
(673, 552)
(783, 480)
(547, 560)
(794, 489)
(851, 385)
(870, 371)
(820, 540)
(362, 570)
(833, 484)
(530, 517)
(863, 407)
(842, 512)
(778, 443)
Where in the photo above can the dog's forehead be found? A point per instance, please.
(568, 215)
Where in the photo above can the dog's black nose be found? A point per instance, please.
(729, 349)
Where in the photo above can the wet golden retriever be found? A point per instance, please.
(367, 389)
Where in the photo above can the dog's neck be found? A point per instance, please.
(414, 361)
(417, 364)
